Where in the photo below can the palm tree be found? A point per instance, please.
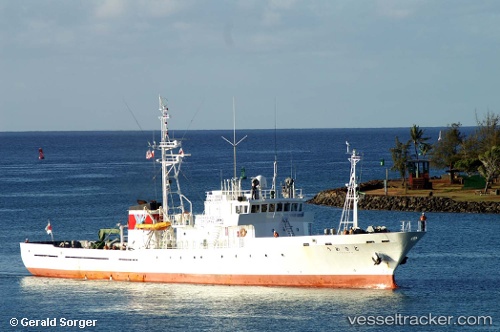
(419, 142)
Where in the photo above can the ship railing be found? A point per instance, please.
(181, 219)
(272, 194)
(406, 226)
(178, 215)
(248, 194)
(219, 237)
(206, 244)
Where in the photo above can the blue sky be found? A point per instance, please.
(90, 65)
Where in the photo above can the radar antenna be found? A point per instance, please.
(234, 143)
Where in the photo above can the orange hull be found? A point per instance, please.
(331, 281)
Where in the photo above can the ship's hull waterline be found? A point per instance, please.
(336, 261)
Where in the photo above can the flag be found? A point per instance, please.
(48, 228)
(150, 154)
(181, 152)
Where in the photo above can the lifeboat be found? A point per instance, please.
(159, 226)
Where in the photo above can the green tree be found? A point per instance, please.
(445, 153)
(490, 167)
(454, 151)
(487, 133)
(420, 144)
(468, 161)
(485, 136)
(400, 158)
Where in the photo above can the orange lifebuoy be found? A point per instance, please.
(243, 232)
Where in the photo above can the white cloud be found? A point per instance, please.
(163, 8)
(395, 9)
(110, 9)
(274, 11)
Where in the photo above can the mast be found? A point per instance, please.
(233, 143)
(163, 146)
(348, 221)
(275, 174)
(170, 164)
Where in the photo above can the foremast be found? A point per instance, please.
(173, 201)
(349, 218)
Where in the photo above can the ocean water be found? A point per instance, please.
(89, 179)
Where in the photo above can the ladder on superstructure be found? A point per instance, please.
(287, 227)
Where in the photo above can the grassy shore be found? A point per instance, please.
(441, 188)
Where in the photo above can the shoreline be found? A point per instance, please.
(444, 197)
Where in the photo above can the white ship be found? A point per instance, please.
(256, 236)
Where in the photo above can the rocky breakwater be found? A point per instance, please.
(336, 198)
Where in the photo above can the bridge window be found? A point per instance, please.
(255, 208)
(264, 208)
(279, 207)
(272, 207)
(287, 207)
(241, 209)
